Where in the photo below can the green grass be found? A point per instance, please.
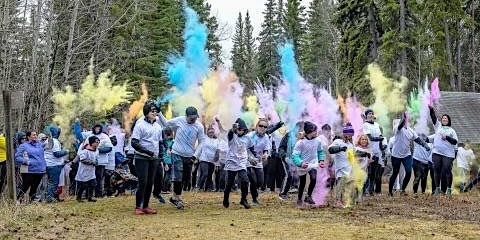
(422, 217)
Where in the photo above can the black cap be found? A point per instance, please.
(191, 112)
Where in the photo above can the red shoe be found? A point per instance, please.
(148, 210)
(139, 211)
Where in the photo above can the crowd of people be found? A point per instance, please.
(166, 157)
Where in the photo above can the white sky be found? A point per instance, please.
(227, 13)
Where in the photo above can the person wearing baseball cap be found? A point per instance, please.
(188, 131)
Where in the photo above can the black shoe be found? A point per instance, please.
(390, 194)
(309, 200)
(92, 200)
(177, 202)
(226, 203)
(80, 200)
(245, 204)
(160, 199)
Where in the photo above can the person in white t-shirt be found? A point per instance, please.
(401, 153)
(465, 157)
(444, 150)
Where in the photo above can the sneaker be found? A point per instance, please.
(139, 211)
(226, 204)
(149, 210)
(309, 200)
(177, 202)
(339, 204)
(165, 192)
(255, 202)
(437, 192)
(403, 193)
(299, 203)
(160, 199)
(92, 200)
(245, 204)
(449, 192)
(283, 197)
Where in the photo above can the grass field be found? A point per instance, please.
(401, 217)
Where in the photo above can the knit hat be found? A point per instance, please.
(309, 127)
(368, 111)
(348, 130)
(241, 124)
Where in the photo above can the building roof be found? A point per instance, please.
(464, 109)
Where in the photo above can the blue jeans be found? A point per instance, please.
(53, 174)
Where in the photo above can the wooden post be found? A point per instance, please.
(11, 100)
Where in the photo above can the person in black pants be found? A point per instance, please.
(444, 152)
(148, 144)
(285, 153)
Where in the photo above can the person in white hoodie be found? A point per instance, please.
(54, 157)
(104, 149)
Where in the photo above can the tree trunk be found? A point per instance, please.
(403, 51)
(373, 31)
(449, 54)
(68, 59)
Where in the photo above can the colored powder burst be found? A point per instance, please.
(414, 105)
(389, 97)
(320, 193)
(358, 175)
(343, 108)
(329, 108)
(96, 97)
(186, 72)
(293, 83)
(435, 93)
(267, 104)
(354, 112)
(169, 112)
(135, 109)
(222, 94)
(422, 125)
(250, 115)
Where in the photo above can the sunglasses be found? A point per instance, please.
(262, 126)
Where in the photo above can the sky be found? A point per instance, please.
(226, 12)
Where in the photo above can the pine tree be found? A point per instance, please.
(359, 29)
(295, 26)
(238, 50)
(249, 54)
(267, 50)
(319, 63)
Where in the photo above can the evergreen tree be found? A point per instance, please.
(295, 26)
(359, 29)
(319, 63)
(249, 54)
(238, 50)
(267, 50)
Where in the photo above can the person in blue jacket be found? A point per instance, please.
(30, 156)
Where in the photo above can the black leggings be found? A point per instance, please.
(30, 181)
(88, 187)
(420, 171)
(407, 164)
(205, 181)
(3, 175)
(311, 186)
(375, 172)
(242, 175)
(443, 171)
(255, 176)
(158, 181)
(146, 169)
